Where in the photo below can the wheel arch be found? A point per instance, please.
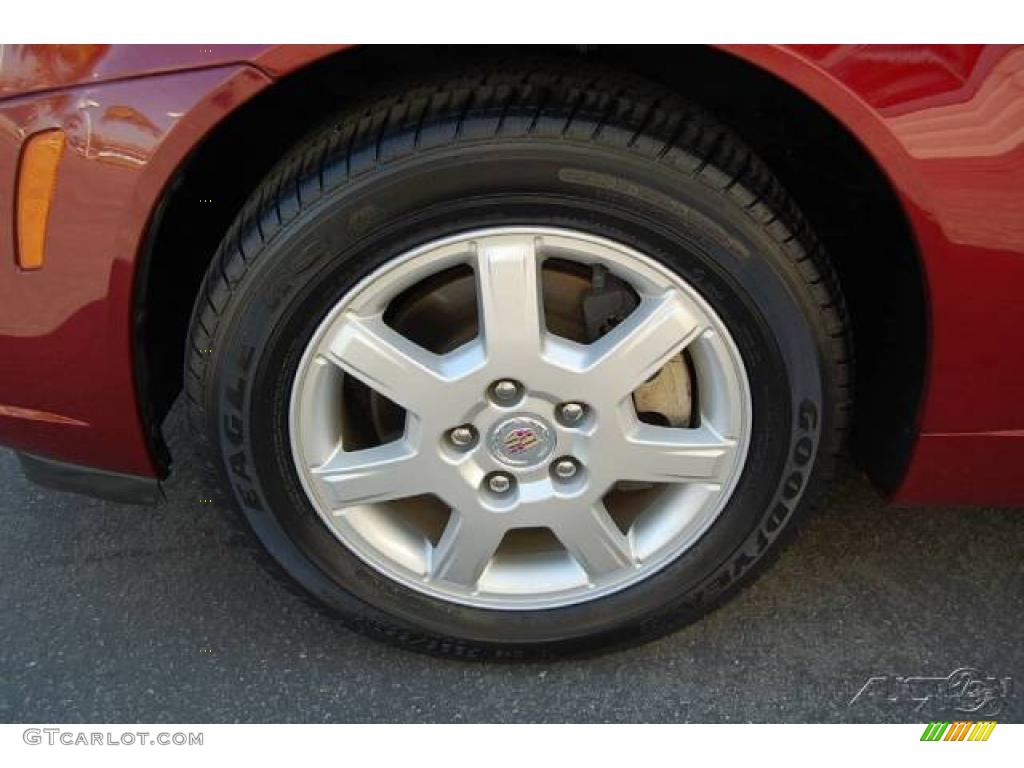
(841, 166)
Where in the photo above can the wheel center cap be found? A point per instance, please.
(521, 441)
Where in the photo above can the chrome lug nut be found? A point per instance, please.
(565, 468)
(462, 436)
(505, 390)
(499, 482)
(571, 413)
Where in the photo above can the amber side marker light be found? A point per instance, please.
(37, 181)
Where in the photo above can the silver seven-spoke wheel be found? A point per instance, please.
(579, 422)
(530, 360)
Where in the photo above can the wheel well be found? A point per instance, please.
(839, 187)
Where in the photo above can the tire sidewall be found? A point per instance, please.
(715, 245)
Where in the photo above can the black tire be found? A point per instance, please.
(611, 155)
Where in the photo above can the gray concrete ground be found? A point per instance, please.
(119, 614)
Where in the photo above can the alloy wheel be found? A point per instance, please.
(512, 468)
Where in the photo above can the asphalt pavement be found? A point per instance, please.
(114, 613)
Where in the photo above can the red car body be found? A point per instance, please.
(944, 123)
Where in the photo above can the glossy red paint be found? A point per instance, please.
(945, 123)
(67, 386)
(30, 68)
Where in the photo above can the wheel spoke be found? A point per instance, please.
(669, 455)
(594, 540)
(637, 348)
(509, 295)
(466, 547)
(387, 362)
(383, 473)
